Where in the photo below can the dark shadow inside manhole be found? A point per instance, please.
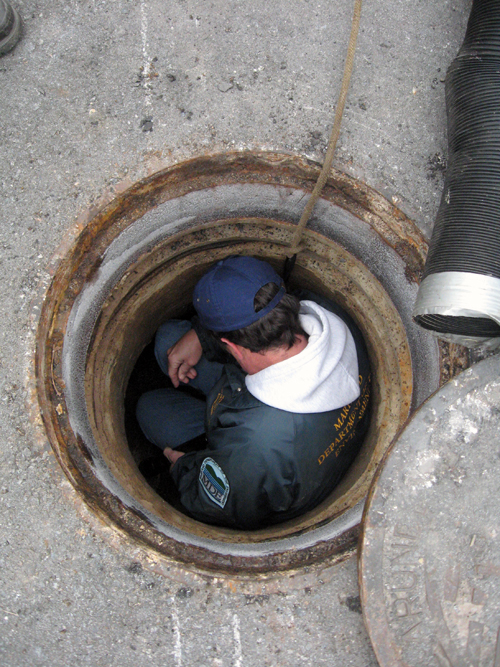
(135, 265)
(146, 376)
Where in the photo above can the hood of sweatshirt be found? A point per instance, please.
(323, 377)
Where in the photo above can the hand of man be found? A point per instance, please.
(172, 455)
(183, 357)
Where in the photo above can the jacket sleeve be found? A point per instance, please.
(236, 484)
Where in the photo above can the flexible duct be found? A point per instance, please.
(460, 292)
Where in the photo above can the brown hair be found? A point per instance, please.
(279, 328)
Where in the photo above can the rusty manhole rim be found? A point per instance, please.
(81, 264)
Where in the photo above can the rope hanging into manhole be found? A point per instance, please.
(295, 246)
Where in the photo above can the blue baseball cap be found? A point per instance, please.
(224, 297)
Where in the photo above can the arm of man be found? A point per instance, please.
(183, 357)
(172, 455)
(243, 481)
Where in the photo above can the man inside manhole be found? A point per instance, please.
(284, 386)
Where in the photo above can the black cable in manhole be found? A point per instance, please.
(135, 265)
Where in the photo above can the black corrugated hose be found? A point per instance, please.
(460, 292)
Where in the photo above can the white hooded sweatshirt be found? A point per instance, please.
(323, 377)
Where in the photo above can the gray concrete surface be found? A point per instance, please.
(98, 91)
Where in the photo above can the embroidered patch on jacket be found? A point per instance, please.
(214, 481)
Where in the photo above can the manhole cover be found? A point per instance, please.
(430, 552)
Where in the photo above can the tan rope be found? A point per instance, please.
(295, 243)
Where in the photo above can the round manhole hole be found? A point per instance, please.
(135, 265)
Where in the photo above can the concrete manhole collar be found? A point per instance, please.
(135, 264)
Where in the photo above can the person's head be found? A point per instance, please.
(243, 301)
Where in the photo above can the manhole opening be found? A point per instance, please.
(159, 285)
(135, 265)
(146, 376)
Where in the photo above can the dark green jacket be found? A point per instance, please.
(264, 465)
